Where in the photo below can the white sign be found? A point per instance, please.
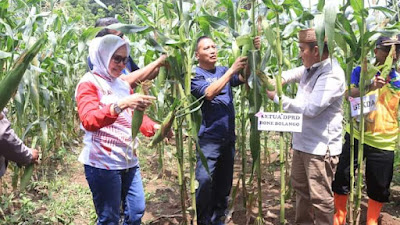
(285, 122)
(369, 105)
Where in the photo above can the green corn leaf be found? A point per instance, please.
(230, 8)
(330, 13)
(243, 40)
(385, 10)
(10, 83)
(44, 135)
(4, 55)
(34, 88)
(182, 32)
(143, 17)
(100, 3)
(269, 33)
(320, 32)
(89, 33)
(266, 58)
(294, 5)
(372, 71)
(166, 10)
(235, 50)
(321, 4)
(129, 28)
(215, 22)
(356, 5)
(347, 31)
(306, 16)
(28, 128)
(9, 30)
(388, 63)
(270, 4)
(341, 42)
(155, 44)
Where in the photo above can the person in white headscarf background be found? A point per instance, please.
(105, 107)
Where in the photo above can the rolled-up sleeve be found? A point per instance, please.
(12, 147)
(198, 86)
(235, 81)
(293, 75)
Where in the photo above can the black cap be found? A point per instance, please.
(387, 41)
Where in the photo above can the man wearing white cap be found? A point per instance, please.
(315, 150)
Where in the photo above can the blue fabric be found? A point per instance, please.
(355, 76)
(130, 66)
(110, 188)
(218, 115)
(214, 188)
(393, 77)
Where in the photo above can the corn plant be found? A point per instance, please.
(355, 45)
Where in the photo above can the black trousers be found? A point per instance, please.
(378, 173)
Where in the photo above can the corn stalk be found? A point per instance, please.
(281, 141)
(360, 171)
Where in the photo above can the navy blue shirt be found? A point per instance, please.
(218, 115)
(131, 66)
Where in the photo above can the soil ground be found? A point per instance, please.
(163, 194)
(164, 207)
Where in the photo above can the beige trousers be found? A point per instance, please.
(312, 181)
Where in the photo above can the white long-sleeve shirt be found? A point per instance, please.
(319, 98)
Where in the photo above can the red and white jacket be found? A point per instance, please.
(108, 140)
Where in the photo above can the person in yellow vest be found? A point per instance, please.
(380, 138)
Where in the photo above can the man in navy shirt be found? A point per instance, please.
(217, 131)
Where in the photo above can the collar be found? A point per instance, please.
(318, 64)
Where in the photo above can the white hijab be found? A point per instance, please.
(101, 50)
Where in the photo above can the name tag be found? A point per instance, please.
(285, 122)
(369, 104)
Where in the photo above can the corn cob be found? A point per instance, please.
(265, 81)
(244, 41)
(388, 63)
(28, 171)
(9, 84)
(137, 117)
(165, 127)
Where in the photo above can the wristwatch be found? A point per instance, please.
(117, 109)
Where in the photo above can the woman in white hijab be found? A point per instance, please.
(105, 106)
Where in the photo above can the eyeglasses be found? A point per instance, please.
(118, 59)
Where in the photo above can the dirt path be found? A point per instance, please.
(163, 202)
(163, 198)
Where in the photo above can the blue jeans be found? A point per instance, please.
(110, 188)
(214, 188)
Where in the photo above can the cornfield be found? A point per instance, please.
(43, 110)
